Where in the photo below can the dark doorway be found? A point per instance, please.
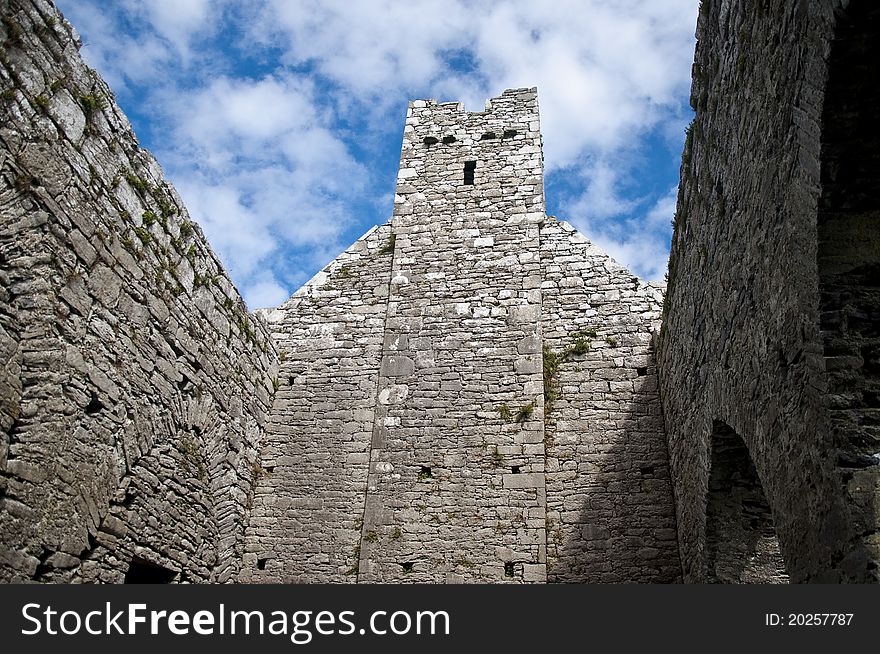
(141, 571)
(741, 542)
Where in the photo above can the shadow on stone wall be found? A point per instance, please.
(625, 530)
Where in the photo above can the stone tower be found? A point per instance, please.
(468, 393)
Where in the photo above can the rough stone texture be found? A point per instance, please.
(610, 515)
(470, 392)
(743, 341)
(463, 308)
(849, 263)
(309, 501)
(134, 384)
(410, 439)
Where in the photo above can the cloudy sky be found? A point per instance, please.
(280, 121)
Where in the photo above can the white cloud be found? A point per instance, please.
(264, 293)
(275, 164)
(233, 229)
(605, 71)
(369, 47)
(162, 39)
(645, 256)
(602, 197)
(641, 244)
(269, 175)
(179, 21)
(253, 111)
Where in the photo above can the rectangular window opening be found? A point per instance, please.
(469, 168)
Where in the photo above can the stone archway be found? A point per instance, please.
(741, 541)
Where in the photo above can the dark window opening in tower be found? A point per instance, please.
(848, 255)
(741, 542)
(141, 571)
(470, 168)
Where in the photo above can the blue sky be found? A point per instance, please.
(280, 121)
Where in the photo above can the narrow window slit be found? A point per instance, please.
(470, 168)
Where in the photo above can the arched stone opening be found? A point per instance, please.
(741, 541)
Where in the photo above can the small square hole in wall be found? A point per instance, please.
(261, 563)
(94, 406)
(508, 569)
(470, 168)
(430, 140)
(642, 371)
(646, 470)
(408, 566)
(449, 139)
(514, 469)
(425, 472)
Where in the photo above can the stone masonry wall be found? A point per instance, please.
(470, 392)
(848, 234)
(409, 439)
(309, 501)
(460, 480)
(610, 514)
(135, 385)
(467, 394)
(741, 343)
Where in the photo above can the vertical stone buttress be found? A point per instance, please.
(456, 483)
